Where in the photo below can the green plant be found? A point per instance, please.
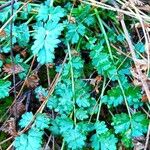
(78, 82)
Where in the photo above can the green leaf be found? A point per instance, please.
(114, 97)
(134, 96)
(121, 123)
(81, 114)
(77, 65)
(4, 88)
(100, 127)
(74, 32)
(74, 139)
(140, 47)
(30, 141)
(40, 92)
(127, 139)
(46, 40)
(102, 62)
(64, 94)
(43, 13)
(52, 102)
(138, 124)
(83, 100)
(4, 14)
(25, 119)
(60, 125)
(83, 14)
(22, 34)
(105, 141)
(50, 13)
(85, 127)
(42, 121)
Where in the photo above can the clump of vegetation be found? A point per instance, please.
(74, 75)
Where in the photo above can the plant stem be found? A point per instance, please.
(104, 33)
(102, 93)
(111, 56)
(72, 79)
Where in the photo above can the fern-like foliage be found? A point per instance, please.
(46, 36)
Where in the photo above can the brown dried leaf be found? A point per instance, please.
(2, 57)
(71, 19)
(32, 81)
(137, 79)
(10, 69)
(144, 98)
(17, 48)
(24, 53)
(139, 143)
(50, 66)
(10, 127)
(17, 109)
(96, 81)
(2, 33)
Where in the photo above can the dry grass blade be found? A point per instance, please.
(109, 7)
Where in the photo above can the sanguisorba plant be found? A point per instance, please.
(94, 104)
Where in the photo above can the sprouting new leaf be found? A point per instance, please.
(4, 88)
(25, 119)
(30, 141)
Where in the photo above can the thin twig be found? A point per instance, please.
(8, 21)
(147, 138)
(7, 4)
(12, 54)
